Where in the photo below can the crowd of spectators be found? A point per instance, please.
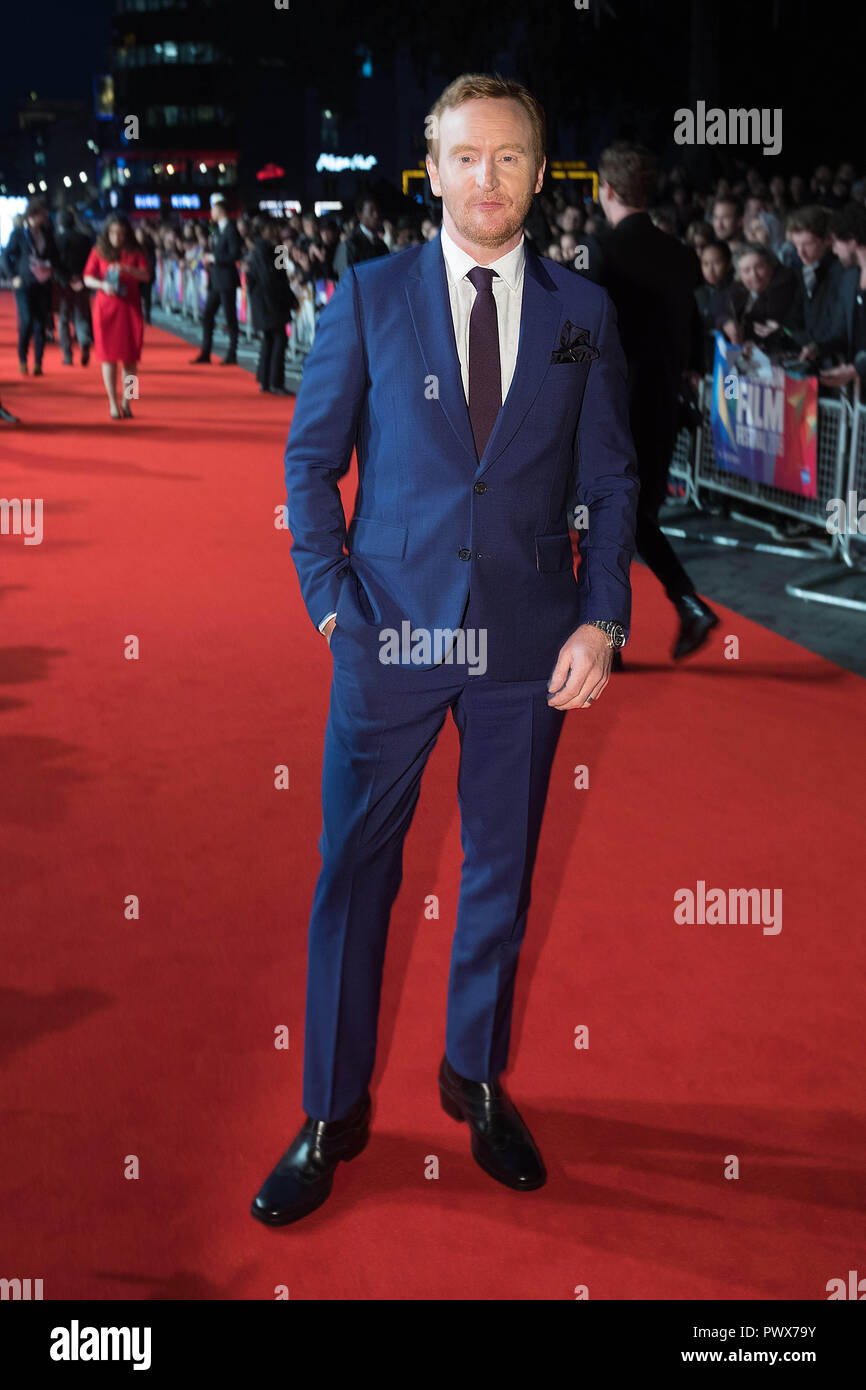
(781, 262)
(781, 259)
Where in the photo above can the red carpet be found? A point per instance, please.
(154, 1038)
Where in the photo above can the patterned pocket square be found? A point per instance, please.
(574, 345)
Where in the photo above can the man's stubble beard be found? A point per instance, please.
(484, 236)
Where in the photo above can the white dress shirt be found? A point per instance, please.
(508, 294)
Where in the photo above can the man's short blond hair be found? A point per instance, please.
(472, 85)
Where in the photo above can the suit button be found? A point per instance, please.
(480, 487)
(465, 554)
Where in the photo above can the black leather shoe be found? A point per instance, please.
(197, 361)
(501, 1143)
(228, 361)
(697, 620)
(304, 1176)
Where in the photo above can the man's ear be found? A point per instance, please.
(433, 173)
(540, 180)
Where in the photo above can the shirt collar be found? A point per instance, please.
(457, 261)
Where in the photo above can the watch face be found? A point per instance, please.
(617, 636)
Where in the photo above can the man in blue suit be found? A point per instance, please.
(478, 382)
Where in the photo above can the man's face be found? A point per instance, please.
(486, 175)
(725, 221)
(845, 251)
(369, 217)
(809, 247)
(568, 243)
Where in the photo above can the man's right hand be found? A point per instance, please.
(328, 629)
(17, 282)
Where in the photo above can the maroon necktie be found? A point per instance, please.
(485, 374)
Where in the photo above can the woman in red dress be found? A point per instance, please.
(115, 268)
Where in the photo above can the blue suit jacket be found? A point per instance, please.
(431, 519)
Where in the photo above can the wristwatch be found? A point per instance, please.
(615, 632)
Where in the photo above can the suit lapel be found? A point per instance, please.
(540, 316)
(430, 307)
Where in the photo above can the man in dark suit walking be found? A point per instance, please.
(365, 242)
(651, 278)
(29, 259)
(479, 382)
(223, 282)
(73, 246)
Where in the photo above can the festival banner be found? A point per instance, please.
(764, 421)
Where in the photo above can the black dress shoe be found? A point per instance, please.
(228, 361)
(697, 620)
(501, 1143)
(303, 1178)
(197, 361)
(85, 356)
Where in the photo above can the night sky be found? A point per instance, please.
(53, 48)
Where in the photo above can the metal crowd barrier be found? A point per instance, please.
(834, 420)
(854, 539)
(303, 330)
(850, 542)
(841, 474)
(182, 289)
